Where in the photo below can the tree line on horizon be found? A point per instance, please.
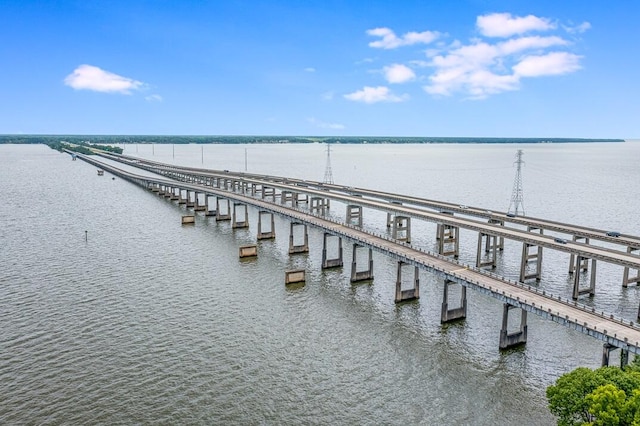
(168, 139)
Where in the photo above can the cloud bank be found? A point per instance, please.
(504, 51)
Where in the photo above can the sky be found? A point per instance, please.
(432, 68)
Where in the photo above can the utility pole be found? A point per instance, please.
(516, 205)
(245, 159)
(328, 174)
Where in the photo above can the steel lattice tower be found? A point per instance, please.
(328, 175)
(516, 205)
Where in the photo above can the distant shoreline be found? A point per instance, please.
(161, 139)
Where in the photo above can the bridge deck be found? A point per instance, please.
(608, 328)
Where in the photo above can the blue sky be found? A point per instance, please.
(483, 68)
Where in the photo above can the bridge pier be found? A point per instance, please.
(500, 241)
(219, 214)
(490, 243)
(577, 291)
(301, 198)
(573, 266)
(189, 202)
(167, 191)
(174, 196)
(528, 257)
(361, 275)
(627, 279)
(411, 293)
(207, 211)
(181, 199)
(319, 204)
(271, 233)
(516, 338)
(391, 216)
(289, 197)
(299, 248)
(607, 348)
(457, 313)
(354, 215)
(447, 236)
(268, 192)
(401, 229)
(236, 222)
(197, 206)
(331, 263)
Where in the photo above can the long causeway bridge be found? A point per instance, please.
(307, 203)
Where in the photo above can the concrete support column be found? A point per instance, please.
(607, 348)
(207, 204)
(269, 194)
(319, 205)
(577, 291)
(439, 225)
(271, 233)
(288, 197)
(226, 214)
(167, 191)
(458, 312)
(448, 241)
(411, 293)
(301, 198)
(390, 216)
(197, 206)
(491, 247)
(298, 248)
(401, 230)
(627, 278)
(155, 187)
(354, 215)
(335, 262)
(190, 202)
(500, 241)
(174, 196)
(181, 199)
(361, 275)
(573, 266)
(237, 222)
(530, 256)
(519, 337)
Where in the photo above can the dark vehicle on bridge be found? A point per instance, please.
(613, 234)
(560, 240)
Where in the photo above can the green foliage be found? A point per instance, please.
(605, 396)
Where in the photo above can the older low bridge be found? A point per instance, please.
(234, 192)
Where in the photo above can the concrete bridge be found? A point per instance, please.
(283, 196)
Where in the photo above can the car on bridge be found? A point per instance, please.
(560, 240)
(613, 234)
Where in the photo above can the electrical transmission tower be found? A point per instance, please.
(516, 205)
(328, 175)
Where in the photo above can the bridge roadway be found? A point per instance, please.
(612, 330)
(626, 240)
(583, 250)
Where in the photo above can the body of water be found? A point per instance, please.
(114, 313)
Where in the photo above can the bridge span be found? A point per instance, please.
(400, 209)
(614, 331)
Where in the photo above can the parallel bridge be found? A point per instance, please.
(614, 331)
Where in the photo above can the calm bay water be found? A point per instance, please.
(150, 322)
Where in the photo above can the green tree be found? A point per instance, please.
(605, 396)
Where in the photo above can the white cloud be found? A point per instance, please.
(323, 125)
(554, 63)
(370, 95)
(398, 73)
(88, 77)
(533, 42)
(578, 28)
(389, 39)
(310, 69)
(504, 25)
(483, 65)
(154, 98)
